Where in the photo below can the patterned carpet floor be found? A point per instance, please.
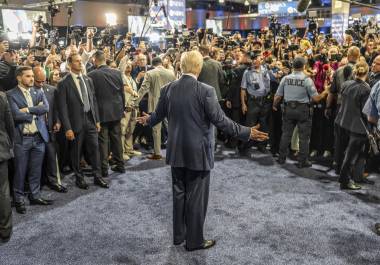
(259, 213)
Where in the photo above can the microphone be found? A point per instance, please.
(303, 5)
(164, 10)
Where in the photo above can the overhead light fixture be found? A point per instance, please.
(246, 3)
(111, 19)
(221, 1)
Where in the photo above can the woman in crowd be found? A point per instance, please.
(351, 119)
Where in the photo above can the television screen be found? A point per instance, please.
(20, 21)
(136, 24)
(215, 25)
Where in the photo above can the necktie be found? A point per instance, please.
(28, 98)
(83, 90)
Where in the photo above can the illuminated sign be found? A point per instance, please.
(175, 11)
(279, 9)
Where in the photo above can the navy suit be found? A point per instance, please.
(192, 108)
(29, 150)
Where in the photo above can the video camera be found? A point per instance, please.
(274, 25)
(312, 25)
(42, 28)
(76, 32)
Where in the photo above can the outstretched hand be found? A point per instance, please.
(258, 135)
(143, 120)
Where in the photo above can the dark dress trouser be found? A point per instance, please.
(50, 174)
(354, 153)
(110, 140)
(190, 199)
(86, 139)
(5, 203)
(292, 117)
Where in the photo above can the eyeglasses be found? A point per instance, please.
(39, 82)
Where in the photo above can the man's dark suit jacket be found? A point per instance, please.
(6, 129)
(109, 91)
(233, 93)
(70, 105)
(52, 116)
(17, 101)
(191, 108)
(212, 74)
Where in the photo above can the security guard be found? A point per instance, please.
(372, 110)
(297, 89)
(256, 105)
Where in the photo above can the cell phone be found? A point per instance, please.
(309, 51)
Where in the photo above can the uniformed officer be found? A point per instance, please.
(372, 110)
(255, 87)
(297, 89)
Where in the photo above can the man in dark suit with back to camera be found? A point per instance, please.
(78, 112)
(6, 153)
(192, 109)
(29, 107)
(109, 92)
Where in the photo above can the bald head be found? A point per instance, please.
(39, 76)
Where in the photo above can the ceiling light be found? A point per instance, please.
(246, 3)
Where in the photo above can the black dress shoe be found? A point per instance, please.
(118, 169)
(281, 160)
(177, 243)
(101, 182)
(5, 239)
(377, 228)
(81, 183)
(57, 188)
(304, 164)
(365, 181)
(20, 207)
(40, 201)
(206, 244)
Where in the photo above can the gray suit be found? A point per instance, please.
(154, 80)
(192, 109)
(6, 152)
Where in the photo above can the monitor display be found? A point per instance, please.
(136, 25)
(20, 21)
(215, 25)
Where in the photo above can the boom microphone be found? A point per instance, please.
(303, 5)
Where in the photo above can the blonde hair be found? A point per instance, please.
(361, 68)
(191, 62)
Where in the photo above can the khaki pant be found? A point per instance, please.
(127, 127)
(157, 138)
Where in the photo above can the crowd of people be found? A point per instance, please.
(64, 109)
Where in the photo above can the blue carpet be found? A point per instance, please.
(259, 213)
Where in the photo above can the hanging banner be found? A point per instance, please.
(340, 12)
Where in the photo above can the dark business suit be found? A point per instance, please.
(6, 152)
(212, 74)
(191, 108)
(73, 117)
(109, 92)
(29, 149)
(51, 171)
